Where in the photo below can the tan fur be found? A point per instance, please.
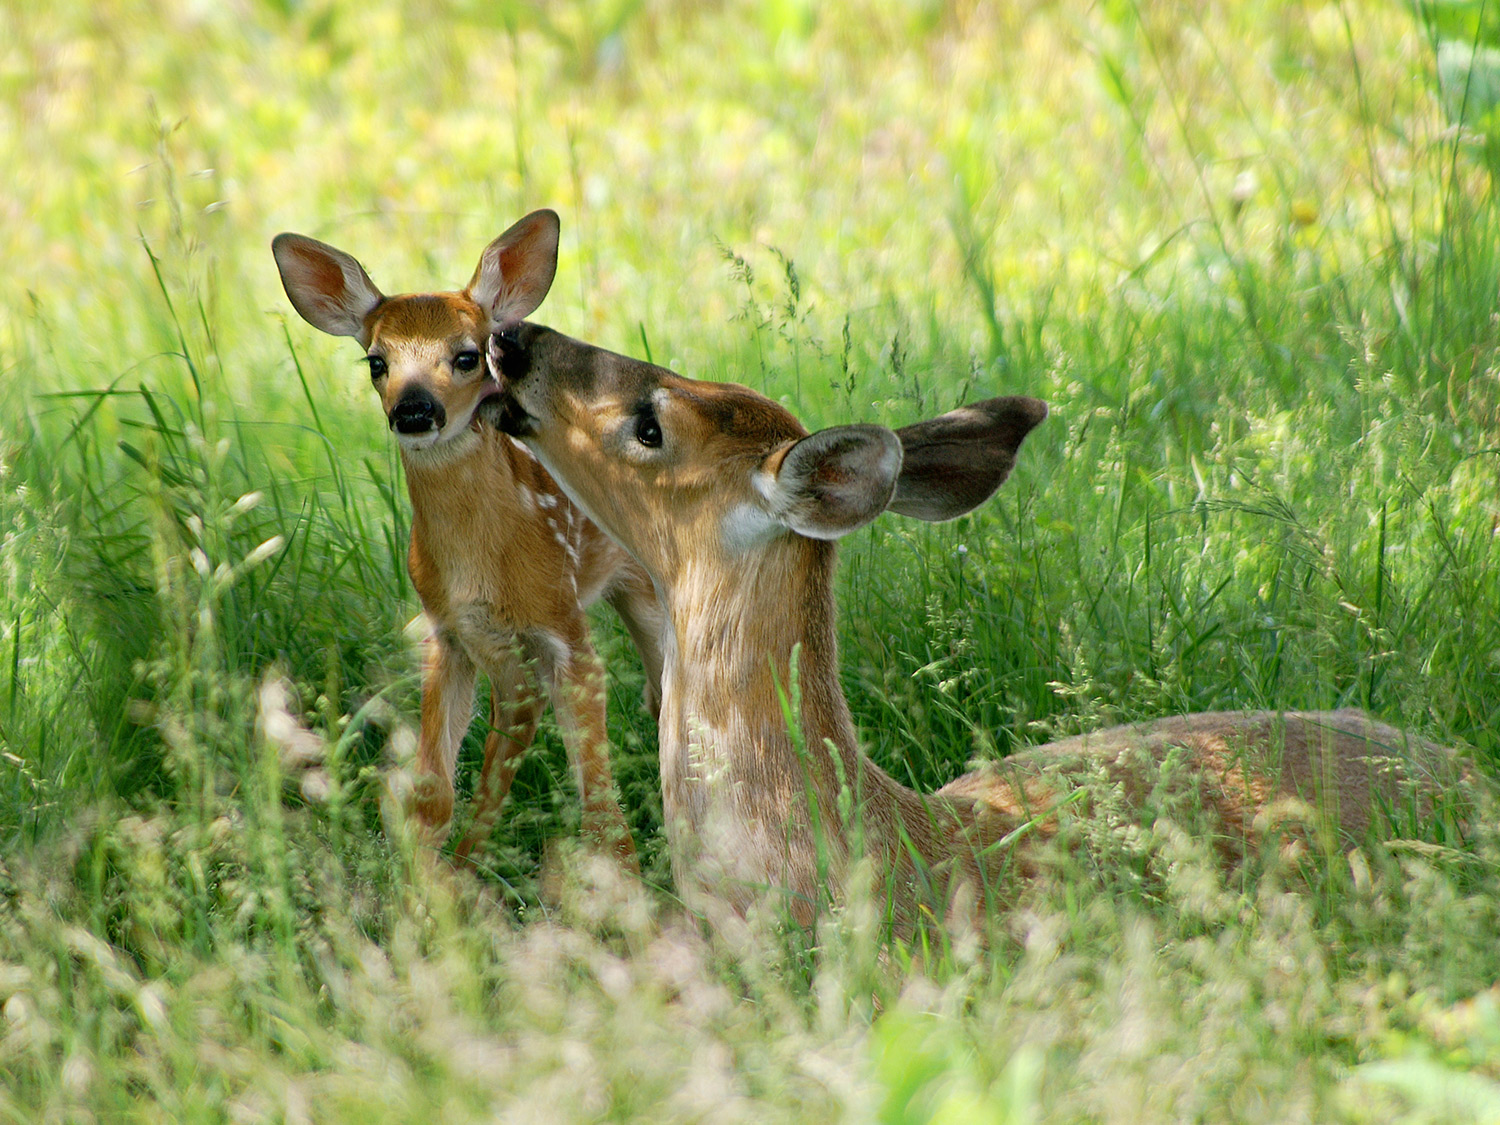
(1334, 775)
(748, 804)
(503, 562)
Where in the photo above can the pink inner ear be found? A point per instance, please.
(323, 273)
(517, 269)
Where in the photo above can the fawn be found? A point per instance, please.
(503, 562)
(733, 509)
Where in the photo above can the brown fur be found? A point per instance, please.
(503, 562)
(1329, 775)
(750, 805)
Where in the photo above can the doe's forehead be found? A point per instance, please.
(737, 412)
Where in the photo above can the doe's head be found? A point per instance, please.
(425, 350)
(679, 470)
(673, 467)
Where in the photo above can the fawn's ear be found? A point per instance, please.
(832, 482)
(328, 288)
(954, 462)
(516, 270)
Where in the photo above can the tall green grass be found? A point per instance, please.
(1246, 251)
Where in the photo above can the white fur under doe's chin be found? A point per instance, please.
(747, 526)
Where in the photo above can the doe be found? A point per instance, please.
(734, 509)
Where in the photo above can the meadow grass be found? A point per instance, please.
(1249, 252)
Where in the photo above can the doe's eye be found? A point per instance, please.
(466, 361)
(377, 366)
(648, 429)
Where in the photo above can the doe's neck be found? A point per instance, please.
(735, 623)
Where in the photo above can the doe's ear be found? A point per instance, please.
(834, 481)
(516, 270)
(328, 288)
(955, 462)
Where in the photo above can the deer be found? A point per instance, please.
(504, 563)
(734, 510)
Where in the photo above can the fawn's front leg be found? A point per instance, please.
(515, 708)
(634, 599)
(575, 675)
(447, 708)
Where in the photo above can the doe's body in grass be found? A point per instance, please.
(734, 510)
(503, 561)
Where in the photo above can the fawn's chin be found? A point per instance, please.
(415, 443)
(432, 440)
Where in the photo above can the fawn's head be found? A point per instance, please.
(425, 350)
(676, 468)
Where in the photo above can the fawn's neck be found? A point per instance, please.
(440, 479)
(489, 527)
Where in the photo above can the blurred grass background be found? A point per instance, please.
(1247, 251)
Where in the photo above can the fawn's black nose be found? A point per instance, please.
(417, 412)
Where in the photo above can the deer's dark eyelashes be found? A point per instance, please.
(377, 366)
(466, 361)
(647, 428)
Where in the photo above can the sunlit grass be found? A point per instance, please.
(1245, 250)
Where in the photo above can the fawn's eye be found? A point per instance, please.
(647, 428)
(377, 366)
(466, 361)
